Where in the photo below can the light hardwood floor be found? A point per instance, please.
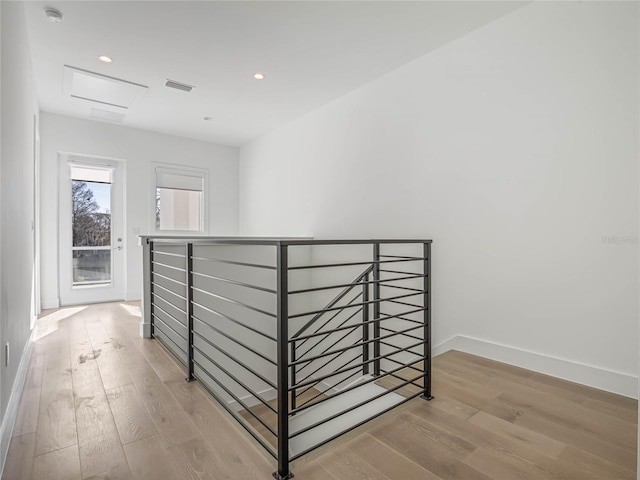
(102, 403)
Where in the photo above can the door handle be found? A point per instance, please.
(117, 248)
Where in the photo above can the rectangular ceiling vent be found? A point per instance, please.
(179, 86)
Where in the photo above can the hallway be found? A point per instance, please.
(100, 402)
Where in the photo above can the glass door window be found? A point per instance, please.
(91, 226)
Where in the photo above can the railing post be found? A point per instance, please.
(376, 309)
(147, 278)
(282, 293)
(189, 272)
(365, 325)
(427, 321)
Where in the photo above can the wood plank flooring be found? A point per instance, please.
(102, 403)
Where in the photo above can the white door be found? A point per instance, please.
(91, 233)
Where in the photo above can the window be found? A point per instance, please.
(179, 200)
(91, 225)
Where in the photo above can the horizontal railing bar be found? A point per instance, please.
(326, 363)
(240, 420)
(168, 348)
(154, 284)
(370, 241)
(391, 345)
(400, 317)
(214, 242)
(333, 302)
(169, 254)
(368, 302)
(348, 332)
(406, 365)
(317, 317)
(281, 241)
(322, 392)
(235, 282)
(355, 284)
(417, 275)
(405, 303)
(234, 359)
(405, 335)
(226, 335)
(351, 264)
(164, 265)
(387, 317)
(237, 399)
(358, 405)
(359, 424)
(351, 360)
(374, 320)
(155, 305)
(403, 379)
(299, 357)
(358, 365)
(235, 302)
(232, 262)
(233, 377)
(159, 319)
(359, 344)
(403, 288)
(401, 256)
(349, 286)
(233, 320)
(175, 351)
(156, 274)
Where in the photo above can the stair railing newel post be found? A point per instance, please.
(189, 278)
(282, 290)
(149, 301)
(365, 325)
(427, 321)
(376, 309)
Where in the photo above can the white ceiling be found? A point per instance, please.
(311, 52)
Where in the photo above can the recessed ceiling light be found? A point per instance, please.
(53, 15)
(258, 76)
(105, 59)
(208, 118)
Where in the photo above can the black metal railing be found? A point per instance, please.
(299, 340)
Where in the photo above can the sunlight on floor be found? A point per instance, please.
(48, 322)
(133, 310)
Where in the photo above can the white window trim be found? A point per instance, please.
(179, 170)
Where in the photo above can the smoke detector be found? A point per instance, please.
(53, 15)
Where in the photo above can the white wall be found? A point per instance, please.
(516, 149)
(139, 149)
(19, 108)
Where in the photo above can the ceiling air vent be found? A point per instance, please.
(179, 86)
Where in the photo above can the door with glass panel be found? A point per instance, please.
(91, 238)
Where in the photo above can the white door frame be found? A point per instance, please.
(68, 294)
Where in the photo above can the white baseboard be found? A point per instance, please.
(145, 329)
(47, 303)
(601, 378)
(11, 414)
